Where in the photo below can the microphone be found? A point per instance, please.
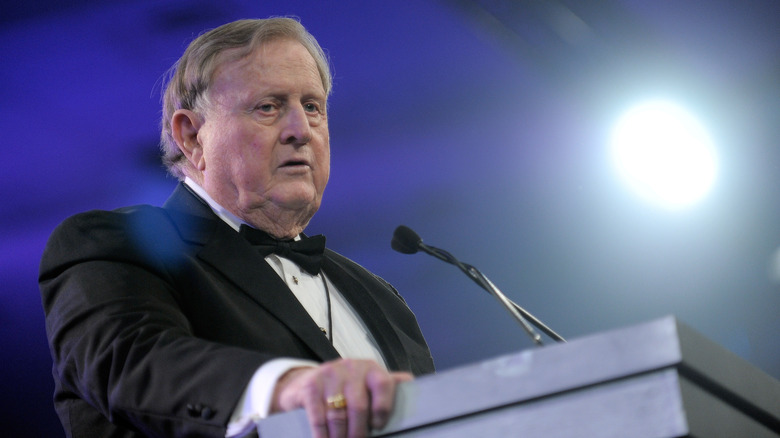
(406, 241)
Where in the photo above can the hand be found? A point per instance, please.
(368, 389)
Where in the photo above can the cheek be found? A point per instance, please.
(323, 147)
(324, 161)
(240, 150)
(216, 140)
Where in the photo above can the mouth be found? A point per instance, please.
(295, 163)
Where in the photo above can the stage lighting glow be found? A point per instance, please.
(664, 154)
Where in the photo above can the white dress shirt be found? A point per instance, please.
(350, 335)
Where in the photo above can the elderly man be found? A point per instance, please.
(201, 317)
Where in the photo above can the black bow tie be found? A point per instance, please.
(306, 252)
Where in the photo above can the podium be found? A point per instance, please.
(653, 380)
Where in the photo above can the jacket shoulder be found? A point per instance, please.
(123, 225)
(122, 234)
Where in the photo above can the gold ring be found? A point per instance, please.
(336, 401)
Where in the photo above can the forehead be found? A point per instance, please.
(276, 62)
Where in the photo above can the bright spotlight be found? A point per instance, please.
(664, 154)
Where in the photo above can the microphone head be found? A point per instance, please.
(405, 240)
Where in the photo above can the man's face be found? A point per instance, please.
(265, 135)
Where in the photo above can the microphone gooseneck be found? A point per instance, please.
(406, 241)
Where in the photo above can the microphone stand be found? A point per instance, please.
(521, 315)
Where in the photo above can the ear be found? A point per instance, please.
(184, 128)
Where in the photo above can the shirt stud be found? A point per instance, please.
(295, 279)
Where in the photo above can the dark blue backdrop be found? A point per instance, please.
(481, 124)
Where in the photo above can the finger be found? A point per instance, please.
(381, 386)
(318, 417)
(334, 376)
(400, 376)
(357, 408)
(337, 422)
(307, 392)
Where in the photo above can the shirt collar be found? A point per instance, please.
(229, 218)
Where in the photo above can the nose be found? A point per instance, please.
(296, 129)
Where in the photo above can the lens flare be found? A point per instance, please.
(664, 154)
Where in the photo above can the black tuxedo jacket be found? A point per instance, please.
(158, 317)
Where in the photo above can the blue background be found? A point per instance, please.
(482, 124)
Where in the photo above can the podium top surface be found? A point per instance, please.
(590, 360)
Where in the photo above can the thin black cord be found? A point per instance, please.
(330, 316)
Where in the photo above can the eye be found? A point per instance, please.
(265, 107)
(311, 107)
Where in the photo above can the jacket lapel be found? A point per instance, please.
(230, 254)
(359, 296)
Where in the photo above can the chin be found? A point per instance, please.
(298, 201)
